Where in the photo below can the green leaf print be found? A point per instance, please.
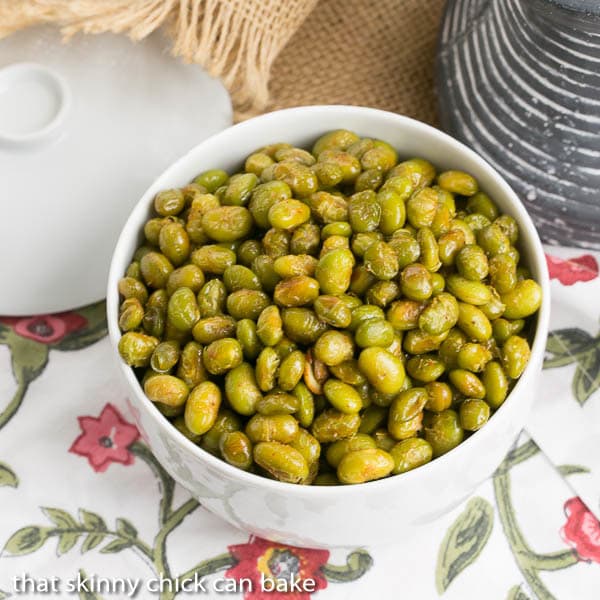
(565, 470)
(516, 593)
(464, 541)
(126, 529)
(587, 376)
(116, 546)
(568, 341)
(573, 345)
(61, 518)
(66, 542)
(7, 476)
(29, 358)
(97, 527)
(91, 541)
(27, 540)
(92, 521)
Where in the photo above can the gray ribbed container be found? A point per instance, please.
(519, 81)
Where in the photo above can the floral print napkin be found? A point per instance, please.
(87, 512)
(565, 420)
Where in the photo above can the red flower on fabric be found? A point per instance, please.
(105, 439)
(572, 270)
(581, 531)
(46, 329)
(260, 560)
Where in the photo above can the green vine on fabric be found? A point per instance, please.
(94, 531)
(95, 534)
(530, 563)
(28, 359)
(69, 530)
(467, 536)
(357, 564)
(464, 541)
(574, 345)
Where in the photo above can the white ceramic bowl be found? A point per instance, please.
(375, 512)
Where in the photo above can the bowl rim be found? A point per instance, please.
(537, 261)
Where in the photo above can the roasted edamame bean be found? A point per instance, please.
(406, 413)
(202, 407)
(337, 450)
(226, 421)
(191, 368)
(166, 389)
(409, 454)
(222, 355)
(384, 371)
(136, 349)
(241, 389)
(165, 357)
(282, 461)
(332, 425)
(334, 347)
(458, 182)
(277, 403)
(441, 314)
(291, 370)
(496, 384)
(474, 414)
(467, 383)
(131, 314)
(236, 449)
(515, 356)
(523, 300)
(365, 465)
(342, 396)
(272, 428)
(444, 432)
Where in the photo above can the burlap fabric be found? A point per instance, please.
(276, 53)
(370, 53)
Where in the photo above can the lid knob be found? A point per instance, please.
(34, 101)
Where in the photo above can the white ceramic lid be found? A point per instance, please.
(85, 127)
